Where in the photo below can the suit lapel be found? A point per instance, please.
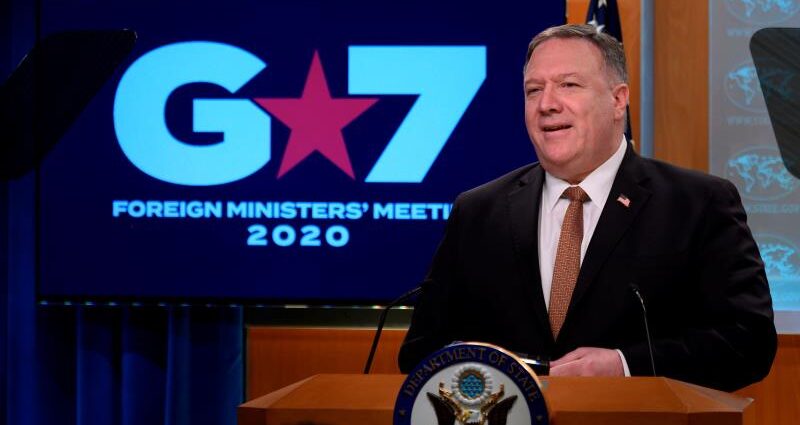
(614, 222)
(523, 204)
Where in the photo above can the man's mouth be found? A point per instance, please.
(557, 127)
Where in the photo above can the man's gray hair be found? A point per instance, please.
(610, 48)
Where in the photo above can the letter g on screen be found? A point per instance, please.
(140, 124)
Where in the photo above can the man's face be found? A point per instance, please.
(574, 108)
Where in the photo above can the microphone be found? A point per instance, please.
(382, 321)
(635, 290)
(539, 366)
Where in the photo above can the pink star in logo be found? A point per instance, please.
(316, 121)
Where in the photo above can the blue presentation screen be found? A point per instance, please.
(279, 150)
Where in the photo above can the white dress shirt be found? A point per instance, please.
(553, 207)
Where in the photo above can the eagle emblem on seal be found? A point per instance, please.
(470, 400)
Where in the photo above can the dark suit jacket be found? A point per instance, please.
(683, 240)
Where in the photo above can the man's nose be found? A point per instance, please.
(549, 101)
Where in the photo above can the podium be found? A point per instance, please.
(331, 399)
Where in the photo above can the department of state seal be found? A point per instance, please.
(471, 384)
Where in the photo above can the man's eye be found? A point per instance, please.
(569, 84)
(534, 91)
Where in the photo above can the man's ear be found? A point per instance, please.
(621, 94)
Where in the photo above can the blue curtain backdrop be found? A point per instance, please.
(124, 365)
(92, 364)
(137, 365)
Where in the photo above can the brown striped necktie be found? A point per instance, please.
(568, 258)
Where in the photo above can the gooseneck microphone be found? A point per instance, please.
(412, 293)
(635, 289)
(540, 366)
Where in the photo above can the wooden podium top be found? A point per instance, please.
(369, 399)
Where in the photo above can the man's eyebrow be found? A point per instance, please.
(557, 77)
(566, 75)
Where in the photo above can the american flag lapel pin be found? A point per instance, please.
(624, 200)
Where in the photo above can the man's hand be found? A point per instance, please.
(588, 361)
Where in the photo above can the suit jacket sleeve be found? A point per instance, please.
(732, 339)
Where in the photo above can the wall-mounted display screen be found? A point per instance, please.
(743, 146)
(302, 151)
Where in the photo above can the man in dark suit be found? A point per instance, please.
(548, 260)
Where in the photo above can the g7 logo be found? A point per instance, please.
(446, 78)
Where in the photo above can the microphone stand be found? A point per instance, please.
(382, 321)
(638, 294)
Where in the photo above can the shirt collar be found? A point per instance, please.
(597, 184)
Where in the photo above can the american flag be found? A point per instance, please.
(624, 200)
(604, 15)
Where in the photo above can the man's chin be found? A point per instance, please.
(563, 171)
(556, 165)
